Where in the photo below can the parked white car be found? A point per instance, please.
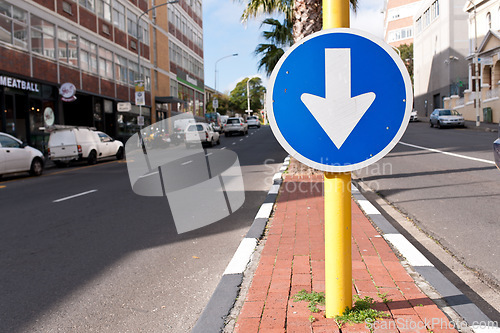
(235, 125)
(16, 156)
(253, 121)
(201, 133)
(444, 117)
(72, 143)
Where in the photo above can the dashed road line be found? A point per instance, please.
(75, 196)
(222, 148)
(149, 174)
(186, 162)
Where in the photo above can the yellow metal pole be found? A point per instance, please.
(337, 187)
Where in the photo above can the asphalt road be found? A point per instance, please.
(455, 198)
(109, 260)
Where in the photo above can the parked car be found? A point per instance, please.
(235, 125)
(253, 121)
(16, 156)
(202, 132)
(414, 116)
(72, 143)
(444, 117)
(180, 126)
(496, 149)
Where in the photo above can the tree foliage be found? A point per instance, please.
(407, 57)
(238, 96)
(223, 104)
(278, 36)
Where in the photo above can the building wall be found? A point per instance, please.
(439, 54)
(398, 27)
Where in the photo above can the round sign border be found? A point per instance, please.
(350, 167)
(50, 111)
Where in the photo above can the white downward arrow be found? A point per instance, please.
(338, 113)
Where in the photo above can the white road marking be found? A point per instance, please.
(241, 139)
(251, 133)
(410, 252)
(234, 143)
(368, 207)
(241, 257)
(149, 174)
(74, 196)
(186, 162)
(274, 189)
(446, 153)
(222, 148)
(208, 154)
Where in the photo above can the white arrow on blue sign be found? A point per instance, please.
(339, 100)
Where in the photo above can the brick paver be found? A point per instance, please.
(293, 259)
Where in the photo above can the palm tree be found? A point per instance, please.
(279, 36)
(305, 15)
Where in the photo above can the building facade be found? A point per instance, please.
(481, 102)
(440, 49)
(91, 46)
(398, 21)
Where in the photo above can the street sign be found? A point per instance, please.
(140, 120)
(124, 107)
(139, 98)
(339, 100)
(215, 103)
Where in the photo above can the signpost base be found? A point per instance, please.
(338, 265)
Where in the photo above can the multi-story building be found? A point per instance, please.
(398, 21)
(440, 49)
(93, 45)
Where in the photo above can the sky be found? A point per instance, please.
(224, 34)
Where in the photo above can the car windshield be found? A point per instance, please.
(233, 121)
(448, 113)
(195, 128)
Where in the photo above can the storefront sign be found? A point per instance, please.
(18, 84)
(124, 107)
(67, 91)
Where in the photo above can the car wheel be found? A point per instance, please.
(36, 167)
(218, 141)
(212, 142)
(119, 153)
(430, 123)
(438, 125)
(92, 159)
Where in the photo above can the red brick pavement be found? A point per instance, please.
(293, 259)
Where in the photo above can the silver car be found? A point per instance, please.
(444, 117)
(235, 125)
(253, 121)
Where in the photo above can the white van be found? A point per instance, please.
(72, 143)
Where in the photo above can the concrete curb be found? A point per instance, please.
(460, 303)
(213, 317)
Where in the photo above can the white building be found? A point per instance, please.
(441, 45)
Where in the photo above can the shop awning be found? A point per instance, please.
(168, 99)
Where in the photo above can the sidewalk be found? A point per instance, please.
(293, 259)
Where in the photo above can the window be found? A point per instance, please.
(7, 142)
(121, 69)
(104, 9)
(67, 45)
(131, 24)
(42, 37)
(119, 15)
(105, 63)
(13, 25)
(133, 72)
(89, 4)
(146, 74)
(488, 19)
(88, 55)
(144, 27)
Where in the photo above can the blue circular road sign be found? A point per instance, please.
(339, 100)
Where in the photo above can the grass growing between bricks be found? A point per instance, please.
(362, 312)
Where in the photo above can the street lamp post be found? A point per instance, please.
(248, 97)
(215, 81)
(477, 97)
(139, 37)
